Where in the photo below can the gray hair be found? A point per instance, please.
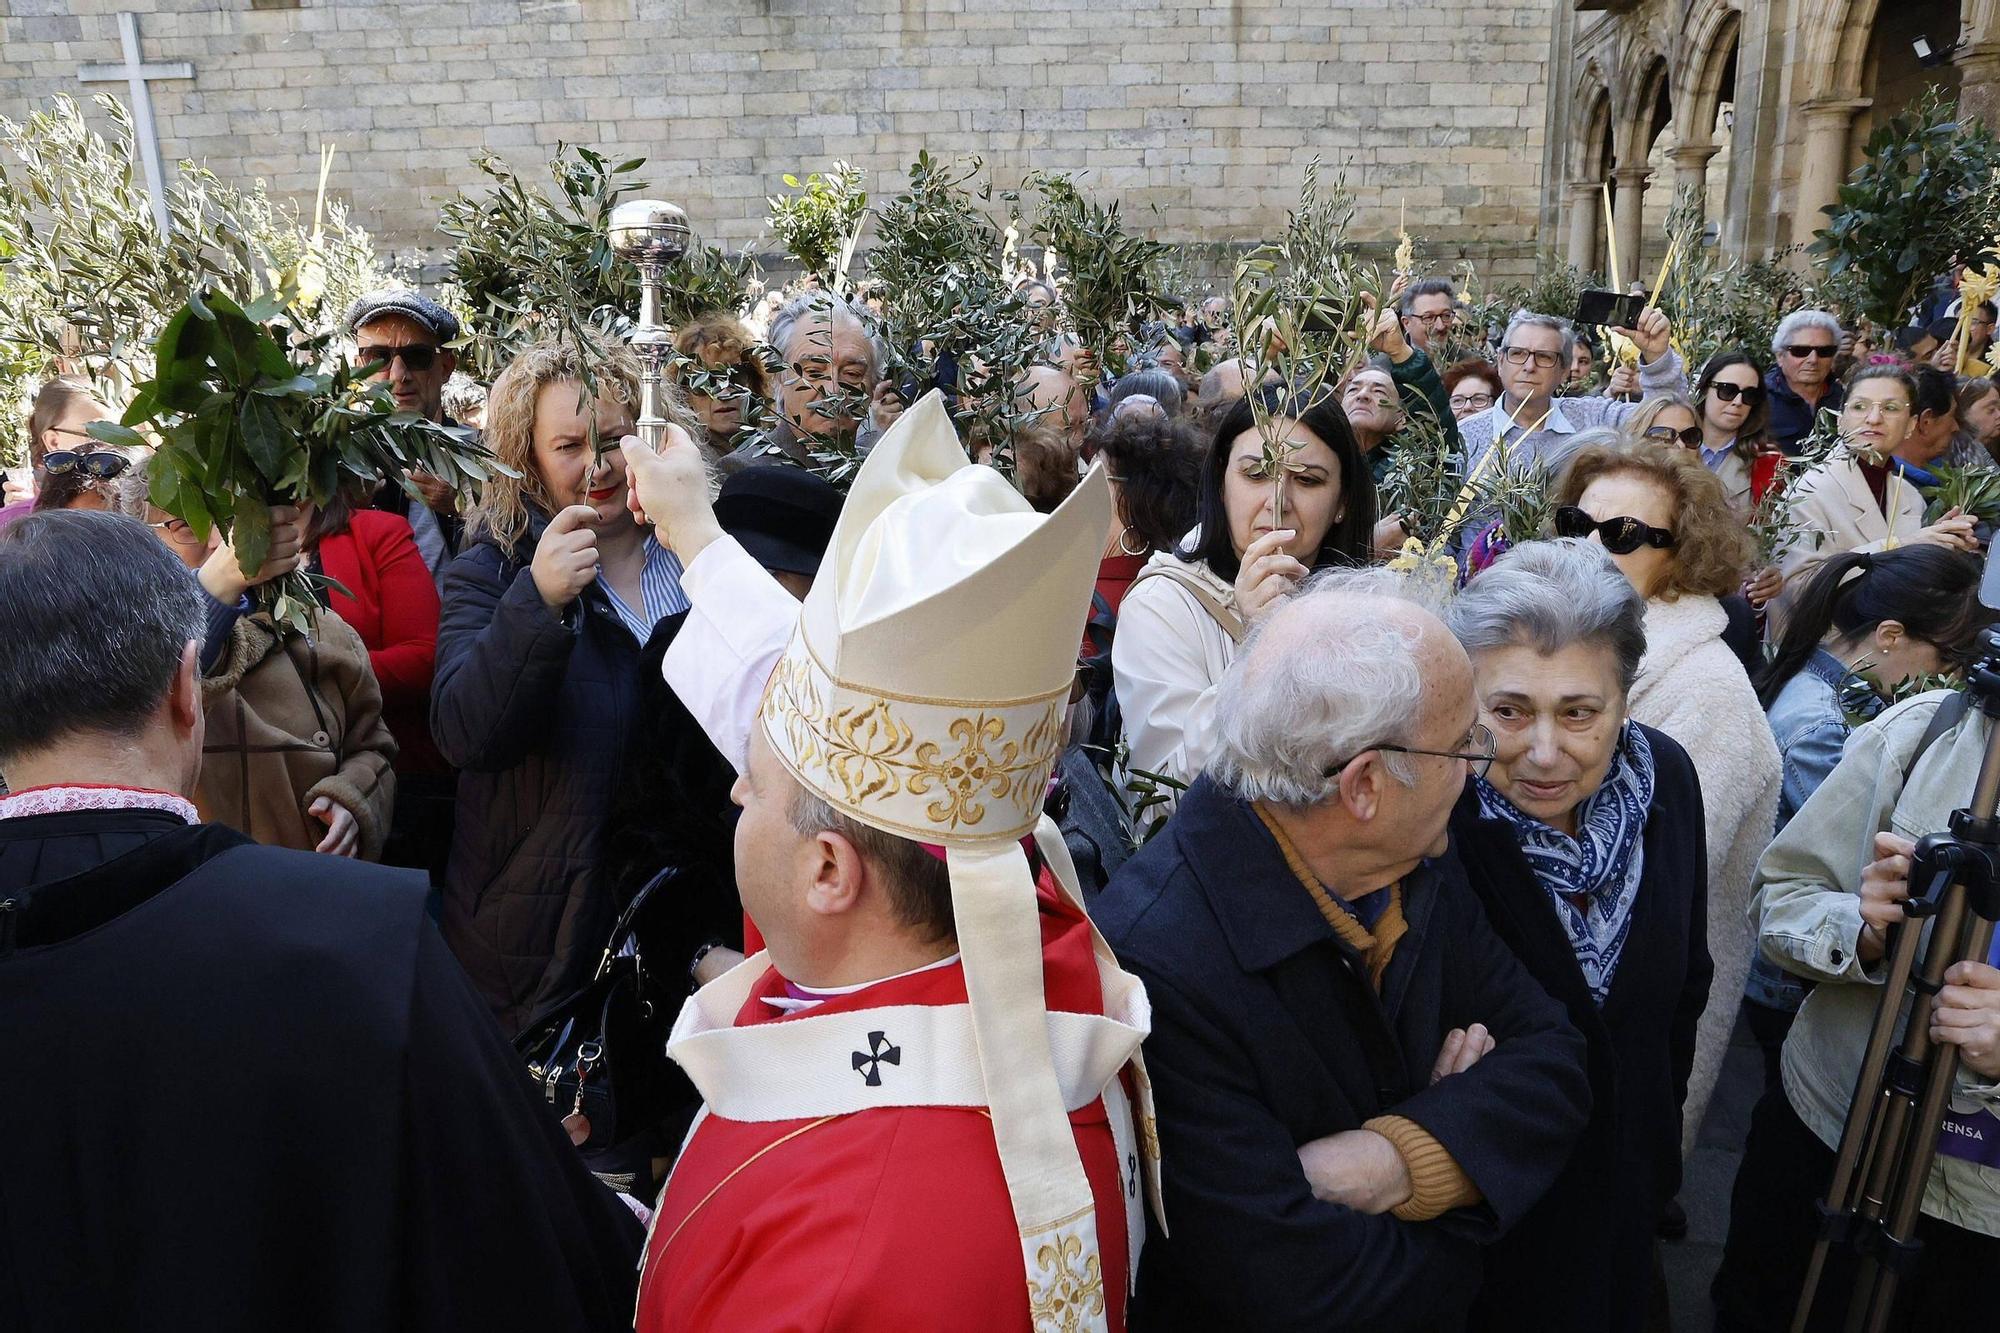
(1792, 325)
(838, 311)
(1528, 319)
(1425, 287)
(93, 597)
(1155, 382)
(1286, 718)
(1548, 595)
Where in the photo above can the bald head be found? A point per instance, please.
(1054, 394)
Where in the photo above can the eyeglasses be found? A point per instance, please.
(1751, 394)
(415, 357)
(98, 465)
(1689, 436)
(1804, 350)
(1480, 400)
(1435, 318)
(1861, 407)
(1479, 749)
(176, 529)
(1621, 535)
(1520, 356)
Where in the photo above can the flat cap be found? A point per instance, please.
(410, 305)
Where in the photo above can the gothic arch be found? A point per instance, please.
(1647, 73)
(1837, 47)
(1710, 40)
(1593, 108)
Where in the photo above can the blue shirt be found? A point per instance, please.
(659, 589)
(1713, 459)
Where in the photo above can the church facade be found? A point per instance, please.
(1200, 118)
(1760, 107)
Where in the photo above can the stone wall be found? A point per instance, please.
(1199, 118)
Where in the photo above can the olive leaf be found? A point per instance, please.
(1105, 273)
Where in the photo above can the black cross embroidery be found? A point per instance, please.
(869, 1063)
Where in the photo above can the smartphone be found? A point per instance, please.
(1612, 310)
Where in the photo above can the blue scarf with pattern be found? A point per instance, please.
(1592, 879)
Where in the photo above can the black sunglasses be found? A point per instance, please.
(1621, 535)
(1804, 350)
(1750, 393)
(98, 465)
(416, 356)
(1687, 435)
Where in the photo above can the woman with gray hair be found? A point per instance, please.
(1584, 843)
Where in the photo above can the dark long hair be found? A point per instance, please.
(1351, 538)
(1931, 591)
(1752, 429)
(1157, 464)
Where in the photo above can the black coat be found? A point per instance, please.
(1267, 1034)
(534, 710)
(265, 1098)
(1582, 1258)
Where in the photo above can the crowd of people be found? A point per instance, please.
(1074, 876)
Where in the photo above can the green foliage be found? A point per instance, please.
(1105, 273)
(937, 262)
(1923, 195)
(705, 280)
(1555, 290)
(1426, 475)
(248, 416)
(1302, 309)
(1972, 490)
(87, 281)
(1522, 500)
(820, 222)
(527, 266)
(1771, 522)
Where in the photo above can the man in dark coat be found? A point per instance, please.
(262, 1094)
(1358, 1084)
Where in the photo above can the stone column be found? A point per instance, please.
(1979, 86)
(1691, 173)
(1823, 161)
(1628, 216)
(1583, 211)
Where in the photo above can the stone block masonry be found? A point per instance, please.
(1199, 118)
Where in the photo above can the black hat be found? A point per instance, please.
(782, 515)
(410, 305)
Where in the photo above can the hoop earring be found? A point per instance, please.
(1143, 548)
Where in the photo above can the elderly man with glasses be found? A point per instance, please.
(1534, 360)
(1801, 383)
(1358, 1084)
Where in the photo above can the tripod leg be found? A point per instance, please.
(1861, 1137)
(1971, 938)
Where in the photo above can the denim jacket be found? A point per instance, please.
(1810, 726)
(1806, 911)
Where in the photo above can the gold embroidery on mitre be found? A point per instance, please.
(1067, 1296)
(870, 753)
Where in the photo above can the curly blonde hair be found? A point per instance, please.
(502, 512)
(722, 333)
(1712, 549)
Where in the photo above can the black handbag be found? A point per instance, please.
(599, 1057)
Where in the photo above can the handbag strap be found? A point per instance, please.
(622, 928)
(1947, 716)
(1224, 616)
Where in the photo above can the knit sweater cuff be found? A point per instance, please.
(1437, 1183)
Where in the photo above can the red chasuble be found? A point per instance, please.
(889, 1218)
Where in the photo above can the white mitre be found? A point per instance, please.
(924, 693)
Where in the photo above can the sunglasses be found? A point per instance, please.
(416, 356)
(98, 465)
(1621, 536)
(1687, 435)
(1750, 393)
(1804, 350)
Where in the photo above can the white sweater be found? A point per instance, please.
(1167, 658)
(1691, 686)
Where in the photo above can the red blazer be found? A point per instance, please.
(393, 606)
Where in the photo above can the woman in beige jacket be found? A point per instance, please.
(1855, 500)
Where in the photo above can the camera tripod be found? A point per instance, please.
(1904, 1087)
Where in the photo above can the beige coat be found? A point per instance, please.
(1834, 511)
(1167, 660)
(290, 720)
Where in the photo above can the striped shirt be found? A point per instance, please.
(659, 588)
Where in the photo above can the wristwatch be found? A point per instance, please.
(704, 951)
